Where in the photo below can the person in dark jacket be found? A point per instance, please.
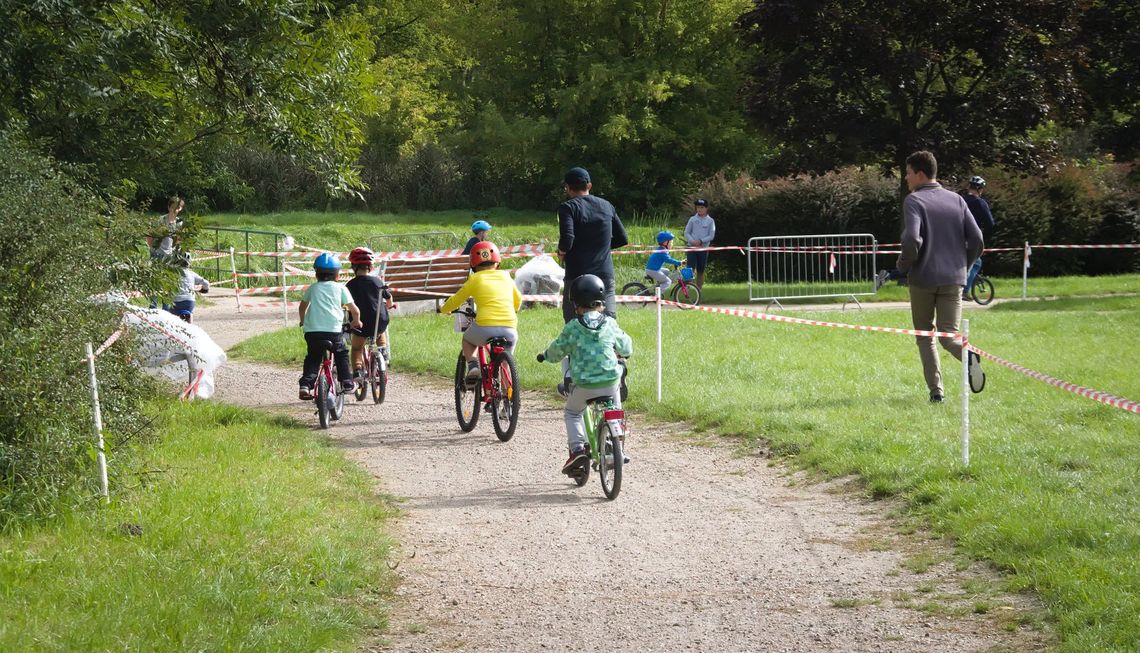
(980, 209)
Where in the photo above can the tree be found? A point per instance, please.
(870, 82)
(1110, 76)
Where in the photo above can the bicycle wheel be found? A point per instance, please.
(337, 411)
(361, 389)
(505, 397)
(635, 288)
(687, 294)
(322, 399)
(466, 399)
(611, 461)
(983, 290)
(379, 380)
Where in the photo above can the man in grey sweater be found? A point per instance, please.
(940, 240)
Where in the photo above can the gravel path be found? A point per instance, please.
(705, 549)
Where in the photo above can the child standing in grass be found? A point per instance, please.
(593, 343)
(322, 316)
(373, 300)
(497, 302)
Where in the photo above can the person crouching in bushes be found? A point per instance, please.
(322, 316)
(593, 343)
(372, 299)
(497, 302)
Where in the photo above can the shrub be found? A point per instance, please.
(58, 246)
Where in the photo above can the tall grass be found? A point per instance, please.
(1049, 496)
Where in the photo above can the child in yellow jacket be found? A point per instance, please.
(497, 301)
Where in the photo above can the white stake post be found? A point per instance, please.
(237, 290)
(101, 457)
(284, 297)
(1025, 272)
(965, 394)
(660, 364)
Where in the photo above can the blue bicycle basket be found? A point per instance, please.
(687, 274)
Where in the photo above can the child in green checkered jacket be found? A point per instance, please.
(593, 341)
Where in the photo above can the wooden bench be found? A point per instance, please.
(445, 274)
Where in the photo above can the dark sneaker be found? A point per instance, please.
(577, 460)
(974, 368)
(565, 388)
(935, 397)
(348, 386)
(384, 353)
(472, 373)
(623, 389)
(306, 394)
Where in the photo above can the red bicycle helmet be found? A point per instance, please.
(484, 252)
(360, 256)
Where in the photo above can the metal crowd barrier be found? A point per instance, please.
(824, 265)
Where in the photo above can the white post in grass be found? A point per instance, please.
(237, 290)
(97, 415)
(1025, 272)
(965, 394)
(657, 296)
(284, 296)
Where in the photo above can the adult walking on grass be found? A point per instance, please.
(588, 228)
(940, 240)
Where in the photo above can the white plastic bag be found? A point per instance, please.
(540, 276)
(175, 349)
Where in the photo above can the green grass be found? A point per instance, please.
(1049, 496)
(255, 536)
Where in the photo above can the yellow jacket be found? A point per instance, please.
(496, 298)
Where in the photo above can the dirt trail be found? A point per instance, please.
(704, 550)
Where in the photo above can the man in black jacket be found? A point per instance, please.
(588, 228)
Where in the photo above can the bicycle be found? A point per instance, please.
(983, 289)
(682, 290)
(605, 443)
(497, 390)
(328, 396)
(375, 368)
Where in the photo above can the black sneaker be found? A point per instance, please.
(565, 388)
(974, 369)
(577, 460)
(935, 397)
(348, 387)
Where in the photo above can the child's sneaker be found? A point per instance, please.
(348, 386)
(565, 388)
(384, 353)
(472, 372)
(974, 370)
(577, 460)
(306, 394)
(880, 279)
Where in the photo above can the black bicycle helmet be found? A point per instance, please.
(587, 290)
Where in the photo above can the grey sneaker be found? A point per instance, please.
(880, 279)
(974, 369)
(565, 388)
(384, 353)
(472, 372)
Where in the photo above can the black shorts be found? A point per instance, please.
(697, 260)
(367, 333)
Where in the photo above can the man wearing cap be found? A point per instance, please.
(699, 232)
(588, 228)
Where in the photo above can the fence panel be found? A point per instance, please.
(823, 265)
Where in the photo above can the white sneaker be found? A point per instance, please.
(974, 368)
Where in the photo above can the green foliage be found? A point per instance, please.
(234, 531)
(58, 246)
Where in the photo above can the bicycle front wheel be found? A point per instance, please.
(639, 289)
(687, 294)
(466, 399)
(323, 403)
(611, 461)
(983, 290)
(379, 380)
(505, 397)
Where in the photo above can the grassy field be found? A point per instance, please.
(251, 535)
(1049, 496)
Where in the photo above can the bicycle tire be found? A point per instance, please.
(379, 380)
(983, 290)
(583, 477)
(611, 461)
(466, 399)
(322, 400)
(690, 295)
(505, 395)
(361, 389)
(337, 411)
(635, 288)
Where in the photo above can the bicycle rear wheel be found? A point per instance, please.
(983, 290)
(505, 397)
(466, 399)
(687, 294)
(379, 380)
(635, 288)
(611, 461)
(322, 399)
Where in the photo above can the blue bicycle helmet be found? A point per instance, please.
(327, 263)
(480, 225)
(664, 236)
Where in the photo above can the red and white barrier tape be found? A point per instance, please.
(1096, 395)
(270, 290)
(192, 387)
(112, 339)
(210, 257)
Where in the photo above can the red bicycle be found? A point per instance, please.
(328, 394)
(497, 390)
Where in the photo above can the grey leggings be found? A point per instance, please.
(576, 405)
(480, 335)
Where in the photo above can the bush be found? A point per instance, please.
(58, 246)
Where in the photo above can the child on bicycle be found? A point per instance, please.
(322, 315)
(187, 281)
(593, 343)
(655, 265)
(497, 301)
(372, 299)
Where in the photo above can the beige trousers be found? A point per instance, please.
(936, 309)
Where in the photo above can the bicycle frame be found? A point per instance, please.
(596, 413)
(486, 353)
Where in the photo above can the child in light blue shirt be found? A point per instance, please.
(322, 317)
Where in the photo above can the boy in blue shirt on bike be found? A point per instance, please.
(322, 317)
(593, 343)
(655, 265)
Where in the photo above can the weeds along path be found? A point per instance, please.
(704, 550)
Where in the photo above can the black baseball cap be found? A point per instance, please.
(577, 176)
(701, 202)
